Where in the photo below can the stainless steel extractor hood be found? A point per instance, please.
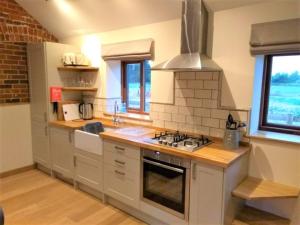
(194, 30)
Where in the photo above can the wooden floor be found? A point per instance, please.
(34, 198)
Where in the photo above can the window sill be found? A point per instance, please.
(268, 135)
(132, 116)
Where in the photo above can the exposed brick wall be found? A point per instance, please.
(17, 28)
(13, 73)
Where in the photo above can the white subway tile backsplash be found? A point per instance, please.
(211, 104)
(194, 102)
(180, 101)
(195, 84)
(187, 76)
(202, 112)
(154, 115)
(204, 75)
(214, 132)
(171, 125)
(209, 122)
(184, 93)
(157, 107)
(219, 114)
(214, 94)
(165, 116)
(181, 84)
(216, 75)
(159, 123)
(184, 110)
(211, 84)
(196, 120)
(201, 130)
(171, 108)
(178, 118)
(203, 94)
(196, 106)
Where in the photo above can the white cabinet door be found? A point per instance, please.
(62, 151)
(206, 195)
(40, 145)
(89, 170)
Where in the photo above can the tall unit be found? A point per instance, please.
(43, 60)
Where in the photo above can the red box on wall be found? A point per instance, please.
(55, 94)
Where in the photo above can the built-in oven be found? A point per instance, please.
(165, 182)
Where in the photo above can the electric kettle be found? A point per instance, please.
(86, 111)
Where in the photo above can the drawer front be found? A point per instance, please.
(122, 149)
(121, 162)
(89, 172)
(123, 186)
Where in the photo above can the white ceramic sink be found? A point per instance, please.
(88, 142)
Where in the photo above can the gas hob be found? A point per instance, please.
(179, 140)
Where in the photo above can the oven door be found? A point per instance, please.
(165, 186)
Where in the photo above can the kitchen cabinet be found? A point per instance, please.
(122, 172)
(62, 151)
(43, 59)
(206, 195)
(88, 169)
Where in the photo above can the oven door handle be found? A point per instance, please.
(163, 166)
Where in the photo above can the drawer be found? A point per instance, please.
(122, 162)
(122, 149)
(89, 171)
(123, 186)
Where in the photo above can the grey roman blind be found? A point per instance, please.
(130, 50)
(275, 37)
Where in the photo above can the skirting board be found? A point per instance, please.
(16, 171)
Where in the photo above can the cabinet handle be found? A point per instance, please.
(45, 116)
(194, 171)
(120, 162)
(46, 131)
(70, 137)
(120, 173)
(119, 148)
(74, 161)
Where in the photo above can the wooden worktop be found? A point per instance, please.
(214, 153)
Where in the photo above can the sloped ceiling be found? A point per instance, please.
(66, 18)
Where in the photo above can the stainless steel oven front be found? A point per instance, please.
(165, 182)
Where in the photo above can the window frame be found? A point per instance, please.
(124, 91)
(264, 103)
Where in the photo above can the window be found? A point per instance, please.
(136, 86)
(280, 104)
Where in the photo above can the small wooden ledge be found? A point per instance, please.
(252, 216)
(254, 188)
(78, 68)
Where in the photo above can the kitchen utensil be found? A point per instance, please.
(71, 112)
(60, 113)
(86, 111)
(231, 138)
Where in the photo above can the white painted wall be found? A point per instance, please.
(167, 43)
(15, 137)
(269, 159)
(231, 45)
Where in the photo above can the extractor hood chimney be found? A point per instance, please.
(193, 53)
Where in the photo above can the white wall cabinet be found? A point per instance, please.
(122, 172)
(62, 151)
(88, 169)
(206, 195)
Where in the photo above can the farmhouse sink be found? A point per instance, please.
(87, 138)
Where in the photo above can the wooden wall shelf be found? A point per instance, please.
(78, 68)
(254, 188)
(79, 89)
